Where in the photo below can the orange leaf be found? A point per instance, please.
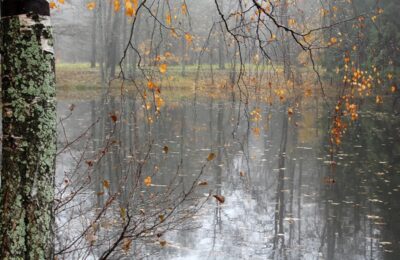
(106, 184)
(61, 1)
(163, 68)
(168, 19)
(151, 85)
(211, 157)
(129, 8)
(220, 198)
(114, 118)
(52, 5)
(188, 38)
(147, 181)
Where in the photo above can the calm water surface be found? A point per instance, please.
(283, 197)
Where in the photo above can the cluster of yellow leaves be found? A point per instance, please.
(130, 6)
(256, 114)
(159, 102)
(53, 4)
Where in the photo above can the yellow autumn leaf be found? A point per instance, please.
(52, 5)
(147, 181)
(333, 40)
(188, 38)
(151, 85)
(168, 19)
(159, 102)
(163, 68)
(91, 6)
(379, 99)
(184, 8)
(61, 1)
(117, 5)
(256, 131)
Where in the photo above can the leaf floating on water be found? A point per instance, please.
(106, 184)
(114, 117)
(211, 157)
(71, 107)
(203, 183)
(165, 149)
(242, 174)
(290, 111)
(161, 217)
(163, 68)
(163, 242)
(329, 180)
(220, 198)
(147, 181)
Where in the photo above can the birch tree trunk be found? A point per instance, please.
(29, 131)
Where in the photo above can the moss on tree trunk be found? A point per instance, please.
(29, 137)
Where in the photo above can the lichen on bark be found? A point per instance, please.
(29, 138)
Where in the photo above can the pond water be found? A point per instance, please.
(284, 198)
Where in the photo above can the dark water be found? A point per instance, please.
(284, 199)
